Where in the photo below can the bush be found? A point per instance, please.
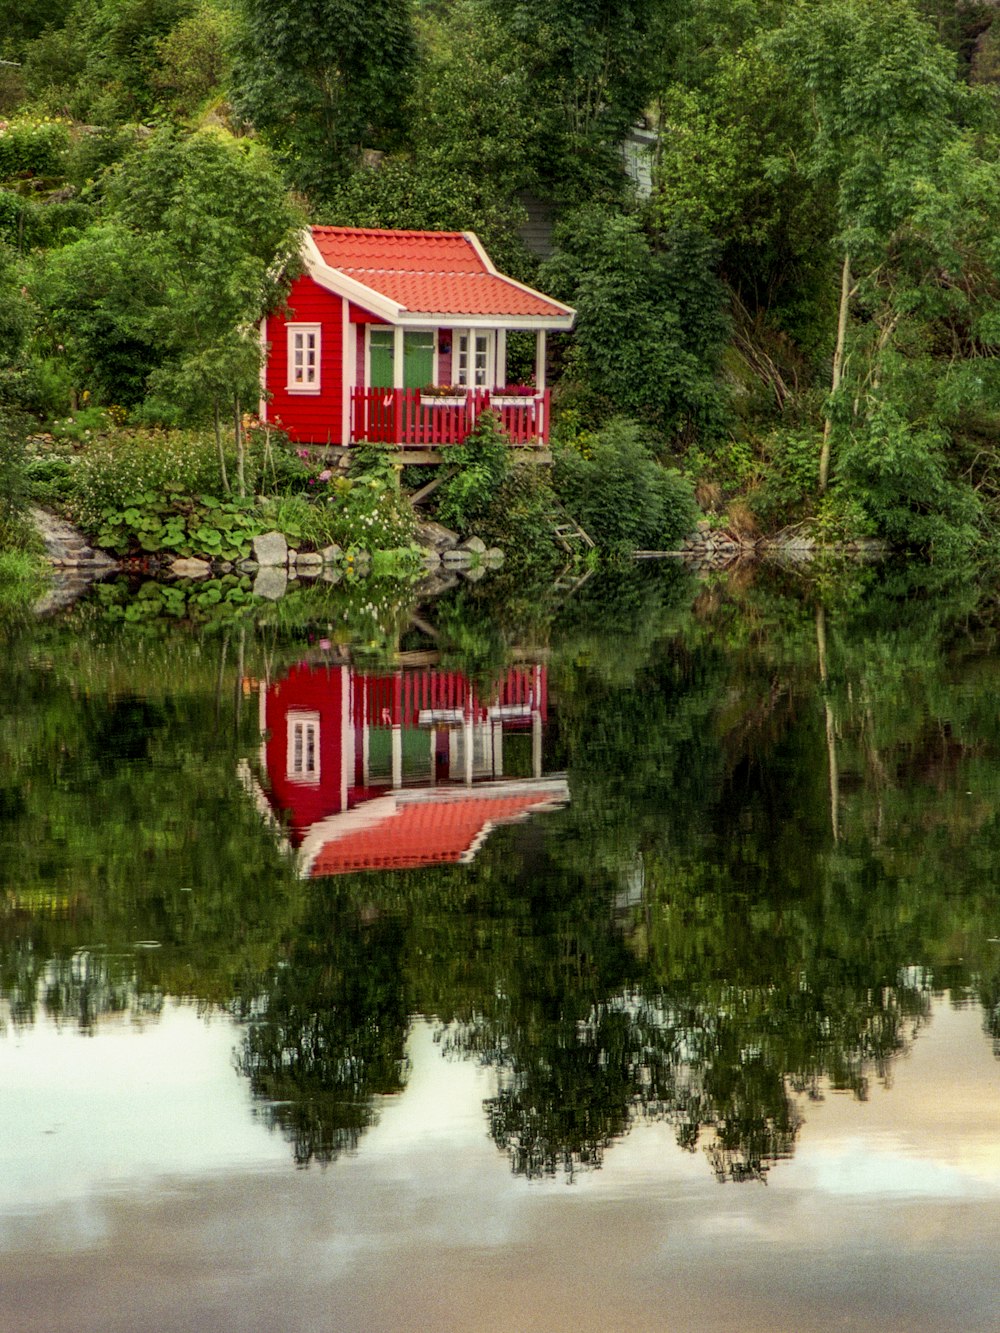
(15, 528)
(621, 495)
(32, 148)
(484, 464)
(125, 464)
(899, 474)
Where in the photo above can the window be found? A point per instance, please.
(302, 764)
(303, 358)
(478, 374)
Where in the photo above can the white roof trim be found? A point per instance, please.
(477, 245)
(341, 285)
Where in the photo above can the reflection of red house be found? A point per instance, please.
(404, 769)
(380, 316)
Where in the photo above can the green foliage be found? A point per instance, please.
(14, 527)
(621, 495)
(484, 464)
(31, 147)
(899, 474)
(116, 469)
(587, 78)
(323, 83)
(650, 324)
(195, 57)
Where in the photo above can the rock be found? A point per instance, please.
(185, 567)
(308, 560)
(224, 566)
(435, 535)
(247, 566)
(430, 559)
(474, 544)
(494, 556)
(437, 583)
(457, 559)
(271, 582)
(270, 549)
(308, 572)
(474, 574)
(331, 575)
(331, 554)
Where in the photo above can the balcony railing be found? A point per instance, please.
(408, 418)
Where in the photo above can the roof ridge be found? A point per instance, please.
(388, 231)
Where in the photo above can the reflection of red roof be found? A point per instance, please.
(429, 272)
(423, 833)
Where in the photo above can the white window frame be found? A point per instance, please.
(302, 756)
(300, 352)
(460, 371)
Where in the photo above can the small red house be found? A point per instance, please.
(400, 337)
(380, 771)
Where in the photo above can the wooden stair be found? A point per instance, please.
(568, 534)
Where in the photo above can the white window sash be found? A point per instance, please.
(304, 345)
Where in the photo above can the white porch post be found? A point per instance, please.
(397, 357)
(397, 757)
(536, 743)
(500, 373)
(350, 360)
(540, 361)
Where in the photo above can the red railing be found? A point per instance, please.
(399, 699)
(412, 420)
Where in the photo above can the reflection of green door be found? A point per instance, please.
(380, 349)
(418, 359)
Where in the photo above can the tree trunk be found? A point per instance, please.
(838, 370)
(218, 445)
(241, 485)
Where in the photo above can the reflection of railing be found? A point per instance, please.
(406, 417)
(400, 699)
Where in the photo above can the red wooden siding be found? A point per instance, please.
(308, 417)
(307, 690)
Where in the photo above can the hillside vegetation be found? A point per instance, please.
(802, 315)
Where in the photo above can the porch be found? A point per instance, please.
(412, 419)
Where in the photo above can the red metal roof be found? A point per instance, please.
(428, 272)
(422, 833)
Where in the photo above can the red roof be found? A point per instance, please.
(429, 272)
(422, 833)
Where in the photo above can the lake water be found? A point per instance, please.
(625, 958)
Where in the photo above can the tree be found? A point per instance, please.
(588, 75)
(323, 82)
(215, 211)
(650, 322)
(883, 105)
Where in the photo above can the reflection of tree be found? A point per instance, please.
(327, 1034)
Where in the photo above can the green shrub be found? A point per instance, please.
(15, 528)
(899, 474)
(32, 147)
(484, 463)
(621, 495)
(117, 468)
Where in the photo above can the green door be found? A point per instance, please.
(418, 360)
(380, 357)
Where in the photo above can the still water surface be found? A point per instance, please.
(627, 963)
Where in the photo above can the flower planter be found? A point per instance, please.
(431, 400)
